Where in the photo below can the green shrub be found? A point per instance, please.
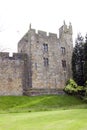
(85, 88)
(72, 83)
(72, 88)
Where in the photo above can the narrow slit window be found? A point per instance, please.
(63, 51)
(64, 64)
(45, 47)
(46, 62)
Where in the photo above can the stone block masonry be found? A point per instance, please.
(11, 74)
(49, 58)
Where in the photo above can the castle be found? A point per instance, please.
(41, 66)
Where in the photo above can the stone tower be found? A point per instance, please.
(49, 59)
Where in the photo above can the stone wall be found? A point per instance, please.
(44, 91)
(11, 74)
(53, 76)
(45, 76)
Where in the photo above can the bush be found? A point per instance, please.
(73, 89)
(85, 88)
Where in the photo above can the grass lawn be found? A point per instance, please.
(75, 119)
(49, 112)
(39, 103)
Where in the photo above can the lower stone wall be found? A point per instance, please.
(11, 77)
(35, 92)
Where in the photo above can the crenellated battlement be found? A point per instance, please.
(4, 54)
(64, 29)
(43, 33)
(53, 35)
(16, 56)
(20, 56)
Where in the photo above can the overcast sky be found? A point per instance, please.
(46, 15)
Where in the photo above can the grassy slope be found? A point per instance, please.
(62, 116)
(75, 119)
(39, 103)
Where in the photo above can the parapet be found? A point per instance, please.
(16, 56)
(42, 33)
(21, 56)
(4, 54)
(53, 35)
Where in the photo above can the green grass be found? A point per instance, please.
(50, 112)
(39, 103)
(75, 119)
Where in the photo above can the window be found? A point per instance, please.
(63, 50)
(45, 47)
(46, 62)
(64, 64)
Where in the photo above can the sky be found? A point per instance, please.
(46, 15)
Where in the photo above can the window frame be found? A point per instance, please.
(64, 64)
(45, 47)
(46, 62)
(63, 50)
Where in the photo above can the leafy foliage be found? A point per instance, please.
(73, 89)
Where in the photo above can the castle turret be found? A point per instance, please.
(64, 30)
(65, 36)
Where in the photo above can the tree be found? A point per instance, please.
(78, 61)
(85, 59)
